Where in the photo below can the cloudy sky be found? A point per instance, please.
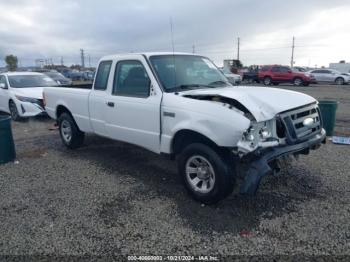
(33, 29)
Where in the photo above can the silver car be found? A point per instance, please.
(330, 76)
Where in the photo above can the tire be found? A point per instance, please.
(267, 81)
(339, 81)
(306, 84)
(14, 111)
(298, 81)
(208, 166)
(70, 134)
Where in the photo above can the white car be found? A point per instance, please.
(21, 93)
(329, 76)
(234, 79)
(166, 103)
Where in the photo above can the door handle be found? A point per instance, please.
(110, 104)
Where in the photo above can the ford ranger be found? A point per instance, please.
(181, 105)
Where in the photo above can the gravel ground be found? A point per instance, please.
(112, 198)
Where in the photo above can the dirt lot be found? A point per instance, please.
(113, 198)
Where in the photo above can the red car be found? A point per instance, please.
(275, 74)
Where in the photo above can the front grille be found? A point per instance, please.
(295, 129)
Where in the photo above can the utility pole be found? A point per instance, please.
(82, 58)
(61, 60)
(193, 49)
(89, 60)
(238, 42)
(292, 58)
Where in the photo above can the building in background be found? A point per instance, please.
(342, 66)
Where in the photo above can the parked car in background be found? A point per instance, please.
(330, 76)
(59, 78)
(74, 75)
(251, 76)
(21, 93)
(88, 75)
(299, 69)
(234, 79)
(168, 104)
(276, 74)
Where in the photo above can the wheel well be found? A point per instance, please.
(340, 78)
(62, 109)
(185, 137)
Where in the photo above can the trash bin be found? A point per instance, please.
(328, 112)
(7, 146)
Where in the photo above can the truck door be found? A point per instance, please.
(98, 97)
(133, 106)
(286, 74)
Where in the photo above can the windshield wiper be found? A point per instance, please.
(220, 82)
(189, 86)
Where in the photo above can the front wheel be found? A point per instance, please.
(297, 81)
(339, 81)
(14, 112)
(208, 177)
(70, 134)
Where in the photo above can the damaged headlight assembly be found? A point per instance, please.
(258, 135)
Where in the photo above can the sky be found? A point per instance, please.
(58, 29)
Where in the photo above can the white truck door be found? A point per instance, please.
(133, 107)
(98, 98)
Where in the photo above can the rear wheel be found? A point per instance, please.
(14, 112)
(208, 177)
(267, 81)
(339, 81)
(70, 134)
(297, 81)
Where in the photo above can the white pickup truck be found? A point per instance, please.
(183, 106)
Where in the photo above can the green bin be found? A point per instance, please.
(328, 112)
(7, 147)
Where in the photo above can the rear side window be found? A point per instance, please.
(276, 69)
(131, 79)
(3, 80)
(264, 68)
(102, 75)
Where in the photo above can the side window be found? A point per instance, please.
(131, 79)
(102, 75)
(275, 69)
(3, 80)
(284, 69)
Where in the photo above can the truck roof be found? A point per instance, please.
(147, 54)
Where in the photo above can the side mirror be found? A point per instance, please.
(3, 86)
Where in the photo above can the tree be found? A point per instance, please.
(12, 62)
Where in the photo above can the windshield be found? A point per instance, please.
(55, 75)
(187, 72)
(25, 81)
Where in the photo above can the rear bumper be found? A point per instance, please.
(260, 167)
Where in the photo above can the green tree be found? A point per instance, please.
(12, 62)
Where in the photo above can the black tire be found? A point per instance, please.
(298, 81)
(223, 173)
(267, 81)
(339, 81)
(14, 111)
(76, 139)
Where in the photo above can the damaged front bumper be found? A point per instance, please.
(260, 167)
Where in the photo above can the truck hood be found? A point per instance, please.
(32, 92)
(263, 102)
